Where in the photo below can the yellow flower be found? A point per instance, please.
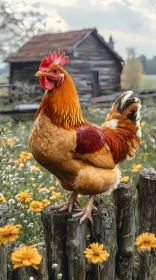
(23, 126)
(8, 233)
(42, 189)
(143, 123)
(34, 169)
(3, 199)
(55, 195)
(6, 183)
(18, 226)
(146, 241)
(25, 155)
(36, 206)
(10, 124)
(52, 188)
(4, 128)
(80, 195)
(146, 155)
(96, 253)
(136, 168)
(124, 179)
(45, 202)
(26, 256)
(24, 196)
(24, 206)
(10, 142)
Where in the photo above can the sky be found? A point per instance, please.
(132, 23)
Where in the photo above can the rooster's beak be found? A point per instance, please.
(39, 74)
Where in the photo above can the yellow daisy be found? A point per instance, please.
(124, 179)
(146, 241)
(36, 206)
(25, 155)
(96, 253)
(24, 196)
(26, 256)
(8, 233)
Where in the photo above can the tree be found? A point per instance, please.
(144, 62)
(17, 25)
(132, 73)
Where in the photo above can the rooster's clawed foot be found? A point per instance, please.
(72, 201)
(85, 213)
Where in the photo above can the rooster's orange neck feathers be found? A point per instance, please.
(62, 106)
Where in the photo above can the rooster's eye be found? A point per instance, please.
(55, 71)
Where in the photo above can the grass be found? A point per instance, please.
(149, 81)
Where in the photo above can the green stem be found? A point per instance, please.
(98, 268)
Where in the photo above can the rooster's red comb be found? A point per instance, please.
(54, 58)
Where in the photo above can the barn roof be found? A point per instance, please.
(40, 45)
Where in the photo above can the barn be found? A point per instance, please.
(94, 65)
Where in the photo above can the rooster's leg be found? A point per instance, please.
(86, 212)
(67, 205)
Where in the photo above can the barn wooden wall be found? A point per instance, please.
(88, 58)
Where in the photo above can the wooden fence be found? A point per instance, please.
(114, 226)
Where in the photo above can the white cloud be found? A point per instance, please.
(54, 22)
(124, 40)
(63, 3)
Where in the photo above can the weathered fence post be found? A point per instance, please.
(76, 244)
(147, 218)
(3, 248)
(104, 232)
(124, 203)
(55, 238)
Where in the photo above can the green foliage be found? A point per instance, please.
(149, 65)
(132, 74)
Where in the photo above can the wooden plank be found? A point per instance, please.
(146, 187)
(55, 238)
(125, 214)
(75, 245)
(104, 232)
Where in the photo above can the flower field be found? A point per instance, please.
(26, 188)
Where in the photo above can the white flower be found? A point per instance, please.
(12, 220)
(31, 225)
(55, 265)
(19, 204)
(31, 278)
(25, 221)
(11, 201)
(1, 194)
(22, 215)
(8, 168)
(59, 276)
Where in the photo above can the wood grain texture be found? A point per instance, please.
(104, 232)
(124, 203)
(147, 219)
(75, 246)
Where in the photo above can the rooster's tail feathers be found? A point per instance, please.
(124, 123)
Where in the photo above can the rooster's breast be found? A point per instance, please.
(49, 143)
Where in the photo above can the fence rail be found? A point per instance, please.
(66, 239)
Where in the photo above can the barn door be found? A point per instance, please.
(95, 76)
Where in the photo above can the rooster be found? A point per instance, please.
(84, 157)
